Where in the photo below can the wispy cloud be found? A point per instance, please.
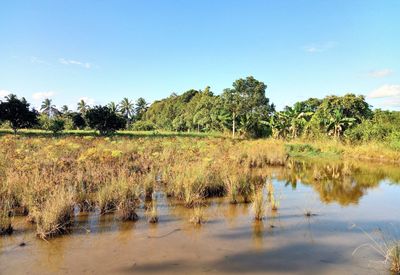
(4, 93)
(385, 91)
(85, 65)
(37, 60)
(380, 73)
(394, 102)
(43, 95)
(319, 47)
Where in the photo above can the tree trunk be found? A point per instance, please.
(233, 125)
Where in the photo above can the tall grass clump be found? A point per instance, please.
(128, 199)
(54, 216)
(108, 198)
(274, 203)
(186, 182)
(153, 211)
(259, 204)
(5, 217)
(198, 216)
(388, 248)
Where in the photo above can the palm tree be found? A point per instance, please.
(113, 107)
(65, 109)
(82, 107)
(127, 108)
(141, 107)
(48, 108)
(11, 97)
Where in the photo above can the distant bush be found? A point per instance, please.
(383, 126)
(296, 149)
(394, 140)
(53, 124)
(143, 126)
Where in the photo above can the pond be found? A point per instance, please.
(326, 211)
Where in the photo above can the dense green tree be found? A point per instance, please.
(104, 120)
(336, 114)
(77, 120)
(247, 101)
(169, 113)
(17, 113)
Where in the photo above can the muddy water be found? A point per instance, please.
(286, 242)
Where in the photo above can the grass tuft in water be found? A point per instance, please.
(274, 203)
(5, 219)
(55, 215)
(259, 204)
(153, 213)
(198, 216)
(387, 247)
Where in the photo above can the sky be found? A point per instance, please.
(102, 51)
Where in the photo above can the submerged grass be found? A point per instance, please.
(388, 248)
(198, 216)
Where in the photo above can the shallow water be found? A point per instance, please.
(231, 241)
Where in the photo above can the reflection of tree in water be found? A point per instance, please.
(341, 182)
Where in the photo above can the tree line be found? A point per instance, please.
(243, 109)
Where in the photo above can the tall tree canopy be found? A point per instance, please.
(104, 120)
(338, 113)
(247, 104)
(17, 113)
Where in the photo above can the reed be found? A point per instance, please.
(54, 217)
(153, 211)
(259, 204)
(5, 217)
(198, 215)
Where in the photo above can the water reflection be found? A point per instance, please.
(342, 182)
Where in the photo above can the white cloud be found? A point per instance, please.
(85, 65)
(37, 60)
(393, 102)
(380, 73)
(318, 48)
(386, 91)
(4, 93)
(43, 95)
(88, 100)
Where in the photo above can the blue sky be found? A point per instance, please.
(106, 50)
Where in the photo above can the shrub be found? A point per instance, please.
(53, 124)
